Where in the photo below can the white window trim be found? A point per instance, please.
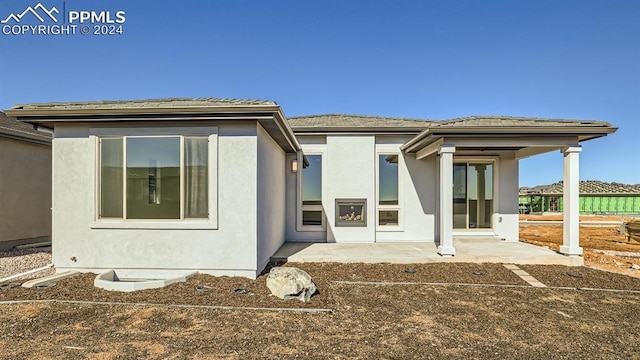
(315, 149)
(389, 149)
(495, 161)
(109, 223)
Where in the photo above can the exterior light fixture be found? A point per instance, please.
(294, 165)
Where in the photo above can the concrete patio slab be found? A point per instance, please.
(469, 250)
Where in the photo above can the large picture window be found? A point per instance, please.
(157, 177)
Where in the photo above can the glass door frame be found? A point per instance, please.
(468, 161)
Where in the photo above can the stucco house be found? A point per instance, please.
(156, 187)
(25, 184)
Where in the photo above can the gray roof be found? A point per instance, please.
(14, 129)
(342, 121)
(512, 121)
(426, 131)
(587, 187)
(268, 113)
(151, 103)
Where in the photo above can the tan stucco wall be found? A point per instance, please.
(25, 191)
(81, 242)
(271, 197)
(354, 176)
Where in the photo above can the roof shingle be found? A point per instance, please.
(12, 128)
(363, 121)
(356, 121)
(512, 121)
(150, 103)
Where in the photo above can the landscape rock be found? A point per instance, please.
(291, 283)
(635, 267)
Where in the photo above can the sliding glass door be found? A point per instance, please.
(472, 195)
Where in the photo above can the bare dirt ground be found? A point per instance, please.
(496, 316)
(434, 311)
(593, 240)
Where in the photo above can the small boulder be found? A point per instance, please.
(291, 283)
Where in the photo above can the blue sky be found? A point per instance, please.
(425, 59)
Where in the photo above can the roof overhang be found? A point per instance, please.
(14, 130)
(527, 140)
(270, 117)
(25, 137)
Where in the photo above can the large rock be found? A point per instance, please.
(291, 283)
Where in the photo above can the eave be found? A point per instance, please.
(270, 117)
(432, 135)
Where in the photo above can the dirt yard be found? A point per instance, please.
(363, 311)
(600, 243)
(496, 315)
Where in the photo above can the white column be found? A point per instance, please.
(571, 198)
(446, 200)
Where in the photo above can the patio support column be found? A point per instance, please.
(446, 200)
(571, 198)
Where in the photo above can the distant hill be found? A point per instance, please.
(587, 187)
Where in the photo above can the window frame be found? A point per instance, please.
(211, 133)
(382, 150)
(300, 208)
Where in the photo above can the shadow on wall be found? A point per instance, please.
(424, 178)
(423, 174)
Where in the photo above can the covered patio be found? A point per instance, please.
(468, 250)
(479, 146)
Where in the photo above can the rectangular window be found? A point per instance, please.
(196, 183)
(142, 177)
(153, 178)
(312, 180)
(111, 184)
(312, 217)
(312, 214)
(388, 190)
(459, 196)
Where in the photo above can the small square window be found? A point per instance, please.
(388, 218)
(312, 217)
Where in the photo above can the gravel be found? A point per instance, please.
(17, 261)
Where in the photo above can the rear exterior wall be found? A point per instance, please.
(226, 246)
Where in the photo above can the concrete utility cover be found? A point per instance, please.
(110, 280)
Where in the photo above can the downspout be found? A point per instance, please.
(26, 273)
